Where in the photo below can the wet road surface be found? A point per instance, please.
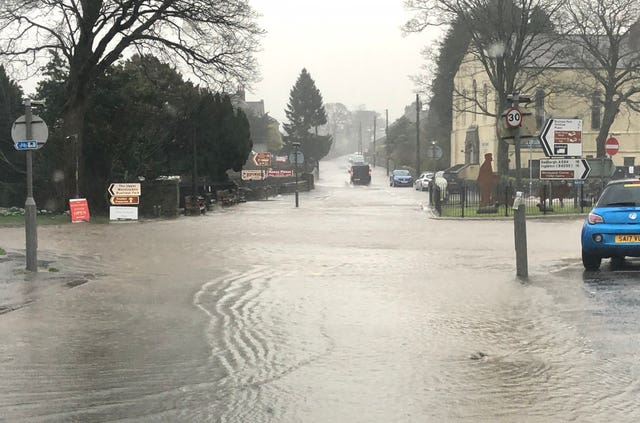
(355, 307)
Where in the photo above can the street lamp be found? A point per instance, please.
(296, 145)
(74, 137)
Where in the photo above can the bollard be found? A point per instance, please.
(520, 234)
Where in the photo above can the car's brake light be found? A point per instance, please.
(595, 218)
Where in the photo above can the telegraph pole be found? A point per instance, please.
(374, 139)
(386, 135)
(417, 135)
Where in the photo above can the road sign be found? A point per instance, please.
(279, 173)
(562, 137)
(26, 145)
(39, 130)
(434, 152)
(123, 213)
(252, 175)
(513, 117)
(262, 159)
(292, 158)
(611, 146)
(123, 200)
(124, 189)
(559, 168)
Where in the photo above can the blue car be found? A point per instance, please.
(612, 229)
(400, 178)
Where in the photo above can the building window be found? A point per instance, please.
(475, 101)
(485, 100)
(464, 107)
(596, 104)
(539, 108)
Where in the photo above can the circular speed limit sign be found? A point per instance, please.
(513, 117)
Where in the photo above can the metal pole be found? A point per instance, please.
(77, 166)
(374, 140)
(296, 148)
(386, 134)
(30, 210)
(417, 135)
(516, 143)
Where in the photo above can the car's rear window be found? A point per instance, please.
(622, 194)
(401, 172)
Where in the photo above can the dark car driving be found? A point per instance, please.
(360, 174)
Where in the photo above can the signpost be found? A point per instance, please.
(122, 200)
(559, 168)
(611, 146)
(27, 132)
(262, 159)
(562, 138)
(124, 195)
(513, 117)
(252, 175)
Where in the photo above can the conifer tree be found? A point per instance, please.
(305, 112)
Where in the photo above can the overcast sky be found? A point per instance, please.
(353, 49)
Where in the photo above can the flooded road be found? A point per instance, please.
(355, 307)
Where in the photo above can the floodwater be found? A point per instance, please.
(357, 306)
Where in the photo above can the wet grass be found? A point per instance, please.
(2, 252)
(472, 211)
(48, 219)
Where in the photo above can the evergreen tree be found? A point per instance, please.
(305, 112)
(12, 162)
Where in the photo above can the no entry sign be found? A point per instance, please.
(611, 146)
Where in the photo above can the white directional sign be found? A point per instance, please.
(558, 168)
(125, 189)
(562, 138)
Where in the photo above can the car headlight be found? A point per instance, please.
(594, 218)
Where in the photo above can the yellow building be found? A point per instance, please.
(474, 132)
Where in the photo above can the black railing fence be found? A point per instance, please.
(541, 198)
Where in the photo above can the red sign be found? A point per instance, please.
(513, 117)
(611, 146)
(79, 209)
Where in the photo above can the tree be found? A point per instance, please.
(214, 40)
(12, 162)
(512, 39)
(305, 111)
(605, 33)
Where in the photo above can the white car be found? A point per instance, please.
(423, 181)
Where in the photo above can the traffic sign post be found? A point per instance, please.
(29, 132)
(562, 138)
(513, 117)
(559, 169)
(122, 196)
(611, 146)
(262, 159)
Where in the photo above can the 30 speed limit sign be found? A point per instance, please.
(513, 117)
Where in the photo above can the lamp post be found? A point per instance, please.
(74, 137)
(296, 145)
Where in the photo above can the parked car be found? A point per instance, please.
(612, 228)
(400, 178)
(423, 181)
(360, 174)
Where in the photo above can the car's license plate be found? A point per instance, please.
(627, 238)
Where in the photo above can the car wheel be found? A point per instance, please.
(590, 262)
